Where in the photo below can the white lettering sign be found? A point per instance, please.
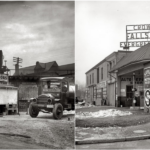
(123, 90)
(133, 44)
(138, 35)
(3, 78)
(138, 27)
(101, 85)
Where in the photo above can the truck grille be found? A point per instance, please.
(42, 101)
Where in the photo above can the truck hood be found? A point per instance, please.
(50, 95)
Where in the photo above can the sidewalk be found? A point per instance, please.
(112, 134)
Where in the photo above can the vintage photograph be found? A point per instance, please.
(37, 74)
(112, 74)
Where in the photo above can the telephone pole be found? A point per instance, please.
(17, 60)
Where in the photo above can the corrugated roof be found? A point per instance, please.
(140, 54)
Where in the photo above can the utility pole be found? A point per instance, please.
(17, 60)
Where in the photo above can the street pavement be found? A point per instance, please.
(113, 137)
(44, 132)
(107, 133)
(141, 144)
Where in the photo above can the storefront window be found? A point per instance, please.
(90, 79)
(93, 77)
(129, 92)
(97, 75)
(101, 73)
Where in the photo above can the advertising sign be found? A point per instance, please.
(138, 27)
(136, 36)
(147, 90)
(101, 85)
(3, 78)
(134, 44)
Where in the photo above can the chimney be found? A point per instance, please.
(37, 62)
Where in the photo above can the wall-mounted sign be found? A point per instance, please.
(3, 77)
(147, 89)
(123, 90)
(128, 79)
(101, 85)
(147, 73)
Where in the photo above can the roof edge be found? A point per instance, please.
(131, 63)
(119, 51)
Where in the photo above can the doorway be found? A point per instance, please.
(129, 96)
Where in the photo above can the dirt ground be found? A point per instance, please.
(138, 117)
(43, 132)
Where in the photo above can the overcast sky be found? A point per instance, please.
(37, 31)
(100, 27)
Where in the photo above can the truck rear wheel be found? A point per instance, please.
(57, 111)
(33, 111)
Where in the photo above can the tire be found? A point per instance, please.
(57, 111)
(33, 111)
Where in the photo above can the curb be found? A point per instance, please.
(123, 139)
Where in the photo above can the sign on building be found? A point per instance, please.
(147, 90)
(3, 79)
(136, 36)
(101, 85)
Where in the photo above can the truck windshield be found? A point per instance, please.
(51, 86)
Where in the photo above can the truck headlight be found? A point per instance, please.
(49, 101)
(34, 100)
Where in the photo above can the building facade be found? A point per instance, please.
(100, 84)
(133, 79)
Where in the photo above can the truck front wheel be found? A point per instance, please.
(33, 111)
(57, 111)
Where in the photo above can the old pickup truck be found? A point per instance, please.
(57, 96)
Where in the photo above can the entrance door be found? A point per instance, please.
(129, 96)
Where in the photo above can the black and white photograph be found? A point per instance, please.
(74, 74)
(37, 74)
(112, 74)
